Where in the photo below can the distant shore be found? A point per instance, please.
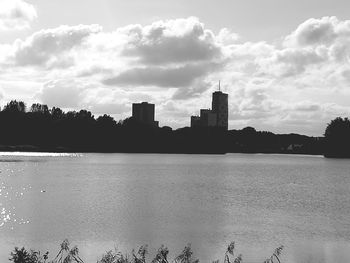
(52, 130)
(33, 148)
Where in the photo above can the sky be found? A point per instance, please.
(284, 64)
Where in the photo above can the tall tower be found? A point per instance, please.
(220, 107)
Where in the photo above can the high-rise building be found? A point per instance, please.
(196, 121)
(144, 113)
(208, 118)
(220, 107)
(217, 116)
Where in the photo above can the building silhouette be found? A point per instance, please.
(195, 121)
(217, 116)
(207, 118)
(220, 108)
(144, 113)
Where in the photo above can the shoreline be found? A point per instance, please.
(35, 149)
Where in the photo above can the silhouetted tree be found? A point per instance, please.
(106, 121)
(39, 108)
(57, 113)
(337, 138)
(249, 130)
(13, 123)
(15, 106)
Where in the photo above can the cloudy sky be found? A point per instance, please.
(284, 63)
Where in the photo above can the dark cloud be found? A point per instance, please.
(191, 92)
(93, 71)
(307, 107)
(346, 75)
(182, 76)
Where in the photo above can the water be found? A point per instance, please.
(99, 201)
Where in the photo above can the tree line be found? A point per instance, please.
(337, 138)
(51, 129)
(41, 128)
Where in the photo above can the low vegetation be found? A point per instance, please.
(67, 254)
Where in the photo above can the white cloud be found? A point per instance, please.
(324, 31)
(171, 41)
(180, 77)
(108, 107)
(48, 47)
(293, 61)
(16, 14)
(62, 93)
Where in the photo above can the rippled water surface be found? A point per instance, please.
(99, 201)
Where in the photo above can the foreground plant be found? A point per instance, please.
(229, 254)
(186, 256)
(67, 255)
(114, 257)
(140, 256)
(276, 254)
(71, 255)
(24, 256)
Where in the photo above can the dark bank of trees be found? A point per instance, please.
(248, 140)
(40, 128)
(337, 138)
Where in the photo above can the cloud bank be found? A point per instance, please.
(297, 84)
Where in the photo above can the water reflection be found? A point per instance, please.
(10, 195)
(99, 201)
(38, 154)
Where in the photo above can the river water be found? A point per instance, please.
(102, 201)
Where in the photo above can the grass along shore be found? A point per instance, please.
(68, 254)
